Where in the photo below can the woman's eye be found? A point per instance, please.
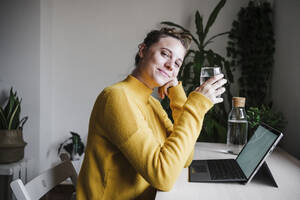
(165, 54)
(177, 64)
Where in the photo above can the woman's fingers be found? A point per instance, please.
(220, 91)
(162, 93)
(213, 79)
(159, 91)
(166, 89)
(213, 88)
(219, 84)
(218, 100)
(163, 90)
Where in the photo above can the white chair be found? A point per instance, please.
(40, 185)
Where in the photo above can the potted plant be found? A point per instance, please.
(251, 48)
(215, 122)
(73, 146)
(266, 114)
(11, 137)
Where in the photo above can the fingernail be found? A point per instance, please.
(220, 75)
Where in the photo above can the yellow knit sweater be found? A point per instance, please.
(133, 148)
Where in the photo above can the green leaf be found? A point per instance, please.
(213, 16)
(198, 64)
(10, 104)
(16, 118)
(13, 116)
(199, 27)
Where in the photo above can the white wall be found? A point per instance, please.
(19, 66)
(286, 79)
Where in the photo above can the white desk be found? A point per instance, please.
(284, 167)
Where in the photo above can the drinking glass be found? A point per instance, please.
(208, 72)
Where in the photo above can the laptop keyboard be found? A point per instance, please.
(224, 169)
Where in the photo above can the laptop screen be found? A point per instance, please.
(255, 150)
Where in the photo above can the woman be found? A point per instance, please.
(133, 149)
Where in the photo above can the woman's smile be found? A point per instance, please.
(165, 74)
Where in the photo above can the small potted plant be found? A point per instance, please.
(265, 114)
(73, 146)
(11, 137)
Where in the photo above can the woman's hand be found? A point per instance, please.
(213, 88)
(163, 90)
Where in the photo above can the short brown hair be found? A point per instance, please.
(155, 35)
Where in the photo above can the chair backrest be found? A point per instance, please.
(43, 183)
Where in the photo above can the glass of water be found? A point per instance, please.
(208, 72)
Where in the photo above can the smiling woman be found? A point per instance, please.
(160, 57)
(160, 62)
(133, 149)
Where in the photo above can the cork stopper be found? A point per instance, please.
(238, 102)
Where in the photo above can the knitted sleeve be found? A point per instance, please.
(127, 128)
(177, 98)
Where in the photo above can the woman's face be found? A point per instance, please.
(161, 62)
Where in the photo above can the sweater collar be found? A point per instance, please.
(142, 92)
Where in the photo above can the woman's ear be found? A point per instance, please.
(142, 49)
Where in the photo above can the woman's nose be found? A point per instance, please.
(169, 65)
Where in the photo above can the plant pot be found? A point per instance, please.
(12, 145)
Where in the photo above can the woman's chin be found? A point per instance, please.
(160, 81)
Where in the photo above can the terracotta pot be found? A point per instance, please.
(12, 145)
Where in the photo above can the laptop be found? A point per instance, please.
(245, 166)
